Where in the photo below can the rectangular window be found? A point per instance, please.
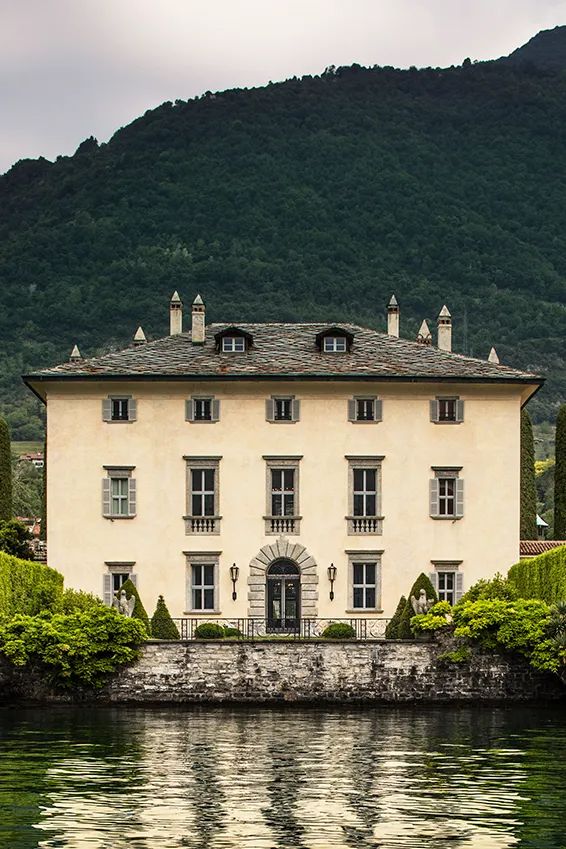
(117, 574)
(121, 408)
(202, 581)
(364, 409)
(202, 495)
(282, 497)
(447, 586)
(119, 493)
(364, 591)
(334, 344)
(448, 580)
(202, 408)
(364, 484)
(447, 410)
(447, 494)
(233, 344)
(282, 408)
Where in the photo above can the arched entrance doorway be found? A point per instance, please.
(283, 596)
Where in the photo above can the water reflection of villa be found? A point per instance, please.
(282, 472)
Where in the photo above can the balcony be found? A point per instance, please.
(364, 525)
(282, 525)
(202, 524)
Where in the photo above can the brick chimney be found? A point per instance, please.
(198, 316)
(444, 329)
(393, 317)
(175, 315)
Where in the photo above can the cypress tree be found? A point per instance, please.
(162, 625)
(5, 471)
(528, 487)
(560, 476)
(139, 610)
(392, 630)
(43, 523)
(422, 583)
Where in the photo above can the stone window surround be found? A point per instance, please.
(448, 566)
(107, 409)
(270, 409)
(364, 462)
(363, 556)
(273, 461)
(451, 472)
(113, 567)
(459, 410)
(204, 462)
(208, 558)
(297, 554)
(124, 472)
(214, 409)
(353, 409)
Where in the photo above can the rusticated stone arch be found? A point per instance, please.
(257, 579)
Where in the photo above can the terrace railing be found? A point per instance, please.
(300, 629)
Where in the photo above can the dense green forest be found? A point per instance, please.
(313, 199)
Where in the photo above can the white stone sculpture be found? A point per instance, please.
(422, 604)
(123, 604)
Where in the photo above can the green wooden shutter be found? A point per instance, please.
(106, 506)
(434, 497)
(459, 411)
(214, 410)
(132, 410)
(295, 410)
(106, 409)
(131, 496)
(459, 497)
(434, 412)
(107, 589)
(270, 409)
(434, 581)
(378, 408)
(189, 410)
(459, 586)
(351, 409)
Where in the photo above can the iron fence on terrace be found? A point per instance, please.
(298, 629)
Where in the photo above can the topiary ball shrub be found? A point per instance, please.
(162, 625)
(230, 631)
(209, 631)
(339, 631)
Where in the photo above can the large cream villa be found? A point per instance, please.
(281, 471)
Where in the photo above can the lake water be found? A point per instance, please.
(264, 778)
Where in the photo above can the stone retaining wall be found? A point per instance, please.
(305, 672)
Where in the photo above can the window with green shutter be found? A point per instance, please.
(202, 408)
(119, 493)
(119, 408)
(365, 408)
(447, 409)
(446, 493)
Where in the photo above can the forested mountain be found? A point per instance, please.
(546, 50)
(309, 199)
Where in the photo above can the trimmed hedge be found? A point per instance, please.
(392, 629)
(139, 610)
(209, 631)
(339, 631)
(27, 587)
(542, 577)
(162, 625)
(422, 583)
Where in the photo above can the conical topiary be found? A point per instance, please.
(162, 625)
(392, 630)
(139, 610)
(422, 583)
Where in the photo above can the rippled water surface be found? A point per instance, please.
(264, 778)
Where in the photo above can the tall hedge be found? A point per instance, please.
(5, 471)
(392, 629)
(528, 486)
(139, 610)
(542, 577)
(28, 587)
(560, 476)
(422, 583)
(162, 625)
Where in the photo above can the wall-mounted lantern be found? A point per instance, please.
(332, 577)
(234, 572)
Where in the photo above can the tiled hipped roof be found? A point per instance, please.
(287, 350)
(532, 547)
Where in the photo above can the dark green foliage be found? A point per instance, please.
(392, 629)
(43, 525)
(422, 583)
(27, 489)
(497, 587)
(560, 476)
(542, 577)
(229, 631)
(547, 49)
(339, 631)
(75, 649)
(528, 488)
(162, 625)
(139, 610)
(209, 631)
(6, 511)
(15, 539)
(27, 587)
(310, 199)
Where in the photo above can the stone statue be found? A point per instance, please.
(123, 604)
(422, 604)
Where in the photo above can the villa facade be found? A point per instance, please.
(282, 471)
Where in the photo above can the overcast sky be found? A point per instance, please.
(70, 69)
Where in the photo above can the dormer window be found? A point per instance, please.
(334, 344)
(233, 344)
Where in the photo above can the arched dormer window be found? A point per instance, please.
(233, 340)
(334, 340)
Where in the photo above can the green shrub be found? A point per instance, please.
(339, 631)
(541, 577)
(528, 486)
(15, 539)
(209, 631)
(139, 610)
(230, 631)
(5, 471)
(77, 601)
(28, 587)
(75, 649)
(560, 476)
(459, 655)
(434, 620)
(392, 629)
(422, 583)
(497, 587)
(162, 625)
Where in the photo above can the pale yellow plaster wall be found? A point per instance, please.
(80, 540)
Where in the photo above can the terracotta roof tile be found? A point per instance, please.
(532, 547)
